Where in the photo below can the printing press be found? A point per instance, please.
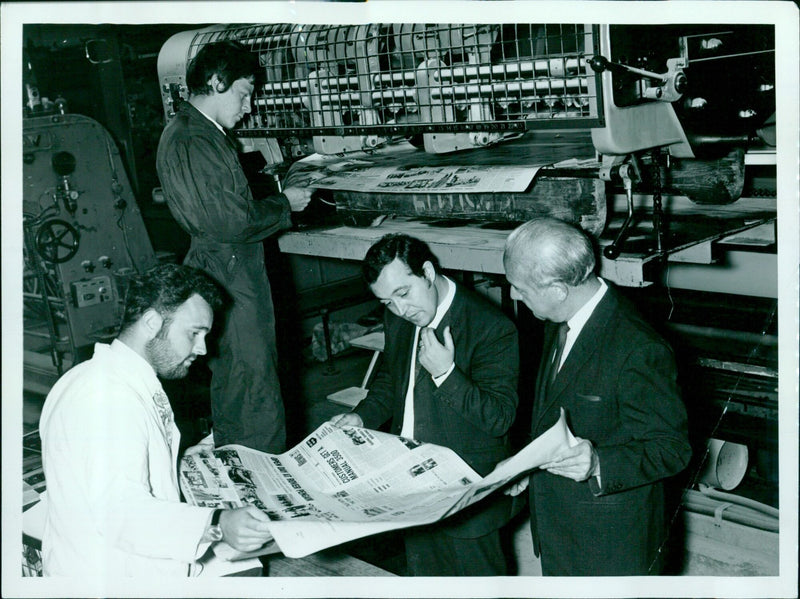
(664, 152)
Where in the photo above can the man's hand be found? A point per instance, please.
(578, 463)
(205, 444)
(347, 419)
(518, 487)
(245, 529)
(298, 197)
(433, 356)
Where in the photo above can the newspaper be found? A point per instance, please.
(341, 484)
(401, 170)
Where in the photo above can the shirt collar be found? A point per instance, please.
(582, 316)
(444, 306)
(220, 127)
(135, 363)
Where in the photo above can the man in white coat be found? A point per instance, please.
(110, 445)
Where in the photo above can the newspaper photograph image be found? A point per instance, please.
(341, 484)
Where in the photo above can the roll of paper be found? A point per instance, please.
(726, 464)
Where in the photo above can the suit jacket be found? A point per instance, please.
(618, 387)
(474, 408)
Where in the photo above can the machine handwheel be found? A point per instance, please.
(57, 241)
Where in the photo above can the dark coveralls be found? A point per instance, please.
(208, 194)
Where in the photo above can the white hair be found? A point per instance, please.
(547, 250)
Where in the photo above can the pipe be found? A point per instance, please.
(744, 501)
(697, 502)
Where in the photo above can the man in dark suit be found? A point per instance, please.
(598, 509)
(463, 394)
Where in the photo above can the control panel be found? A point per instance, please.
(96, 290)
(84, 234)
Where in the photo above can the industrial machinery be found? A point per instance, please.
(83, 236)
(656, 139)
(584, 104)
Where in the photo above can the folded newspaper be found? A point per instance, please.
(341, 484)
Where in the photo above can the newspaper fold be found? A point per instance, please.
(341, 484)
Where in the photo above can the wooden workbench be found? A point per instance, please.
(324, 563)
(474, 247)
(465, 247)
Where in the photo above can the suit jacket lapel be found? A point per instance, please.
(542, 402)
(589, 342)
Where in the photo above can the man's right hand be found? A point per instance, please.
(298, 197)
(245, 529)
(348, 419)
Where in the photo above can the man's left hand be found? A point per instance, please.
(435, 357)
(245, 529)
(298, 197)
(579, 462)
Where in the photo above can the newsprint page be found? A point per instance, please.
(341, 484)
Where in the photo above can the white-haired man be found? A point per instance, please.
(598, 509)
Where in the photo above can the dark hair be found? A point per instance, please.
(164, 288)
(230, 61)
(411, 251)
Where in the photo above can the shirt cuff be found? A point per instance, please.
(438, 380)
(595, 480)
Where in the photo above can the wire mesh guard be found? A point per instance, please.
(385, 79)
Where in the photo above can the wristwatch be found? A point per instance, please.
(215, 530)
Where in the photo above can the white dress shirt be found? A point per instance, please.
(580, 318)
(408, 412)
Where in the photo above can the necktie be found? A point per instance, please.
(550, 368)
(561, 341)
(417, 365)
(549, 372)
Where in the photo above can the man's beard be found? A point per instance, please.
(164, 360)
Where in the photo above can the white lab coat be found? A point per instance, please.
(109, 453)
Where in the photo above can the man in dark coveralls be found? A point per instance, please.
(598, 508)
(208, 194)
(449, 377)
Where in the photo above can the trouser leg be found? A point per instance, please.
(433, 553)
(247, 407)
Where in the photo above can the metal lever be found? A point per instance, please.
(612, 251)
(673, 82)
(601, 63)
